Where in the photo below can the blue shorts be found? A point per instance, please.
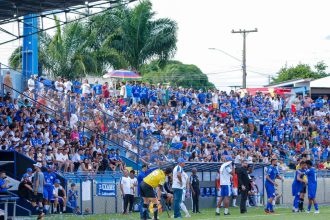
(225, 190)
(270, 189)
(48, 193)
(312, 191)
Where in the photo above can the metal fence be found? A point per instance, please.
(97, 194)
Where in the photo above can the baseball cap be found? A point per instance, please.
(181, 160)
(25, 175)
(57, 181)
(28, 170)
(37, 165)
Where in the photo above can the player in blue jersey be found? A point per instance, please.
(297, 186)
(311, 187)
(270, 184)
(50, 177)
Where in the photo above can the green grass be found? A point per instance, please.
(209, 214)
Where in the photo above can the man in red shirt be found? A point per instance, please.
(105, 90)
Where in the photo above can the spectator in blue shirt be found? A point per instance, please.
(4, 182)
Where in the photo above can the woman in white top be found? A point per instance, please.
(68, 164)
(86, 88)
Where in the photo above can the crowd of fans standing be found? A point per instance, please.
(160, 123)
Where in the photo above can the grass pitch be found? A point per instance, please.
(209, 214)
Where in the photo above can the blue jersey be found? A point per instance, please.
(297, 185)
(72, 195)
(49, 179)
(142, 175)
(272, 172)
(267, 130)
(311, 177)
(97, 89)
(129, 91)
(2, 182)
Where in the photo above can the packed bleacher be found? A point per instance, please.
(160, 124)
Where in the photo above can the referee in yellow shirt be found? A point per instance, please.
(153, 180)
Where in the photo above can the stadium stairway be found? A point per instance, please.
(131, 163)
(15, 164)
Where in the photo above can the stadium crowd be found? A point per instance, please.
(160, 124)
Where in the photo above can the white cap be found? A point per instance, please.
(37, 165)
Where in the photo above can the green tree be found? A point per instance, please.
(137, 35)
(301, 71)
(15, 59)
(67, 54)
(121, 38)
(176, 74)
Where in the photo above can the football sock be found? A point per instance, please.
(145, 209)
(309, 207)
(316, 206)
(155, 211)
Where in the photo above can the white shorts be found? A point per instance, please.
(184, 195)
(218, 192)
(234, 191)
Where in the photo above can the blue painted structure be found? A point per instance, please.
(30, 47)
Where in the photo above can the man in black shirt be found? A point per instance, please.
(195, 190)
(243, 185)
(25, 188)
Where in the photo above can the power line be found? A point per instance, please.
(224, 52)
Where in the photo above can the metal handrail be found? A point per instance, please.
(29, 98)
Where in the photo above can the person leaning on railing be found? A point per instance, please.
(4, 182)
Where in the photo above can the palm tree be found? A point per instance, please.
(15, 59)
(68, 55)
(120, 38)
(137, 35)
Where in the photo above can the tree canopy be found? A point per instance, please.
(176, 74)
(301, 71)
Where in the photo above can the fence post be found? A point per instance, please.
(69, 109)
(324, 189)
(81, 208)
(282, 182)
(1, 81)
(116, 200)
(104, 124)
(92, 192)
(138, 133)
(263, 185)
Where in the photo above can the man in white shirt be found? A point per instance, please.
(59, 85)
(59, 157)
(125, 188)
(31, 83)
(67, 85)
(76, 159)
(225, 176)
(185, 184)
(133, 191)
(59, 198)
(177, 186)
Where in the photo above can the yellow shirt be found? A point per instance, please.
(155, 178)
(327, 165)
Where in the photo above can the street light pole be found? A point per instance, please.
(244, 32)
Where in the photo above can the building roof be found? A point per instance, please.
(321, 83)
(11, 9)
(289, 83)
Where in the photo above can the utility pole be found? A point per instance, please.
(244, 32)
